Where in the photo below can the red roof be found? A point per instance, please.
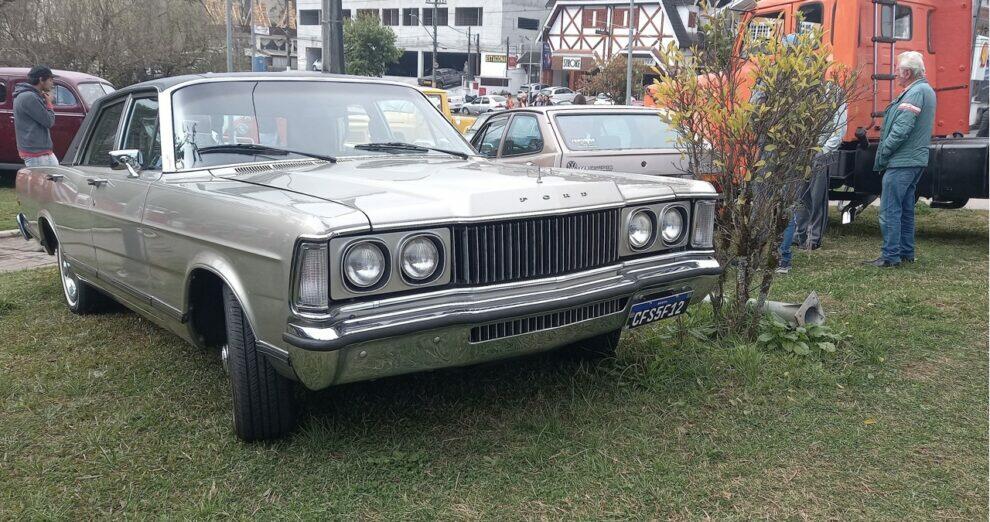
(72, 76)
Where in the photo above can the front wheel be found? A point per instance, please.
(80, 297)
(464, 110)
(265, 406)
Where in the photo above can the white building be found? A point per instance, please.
(488, 22)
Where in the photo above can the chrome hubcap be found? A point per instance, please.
(69, 284)
(223, 358)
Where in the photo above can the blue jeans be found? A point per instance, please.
(897, 212)
(785, 247)
(41, 161)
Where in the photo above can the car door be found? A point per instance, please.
(489, 138)
(119, 198)
(8, 144)
(524, 142)
(69, 113)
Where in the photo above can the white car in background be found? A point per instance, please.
(486, 103)
(559, 94)
(603, 99)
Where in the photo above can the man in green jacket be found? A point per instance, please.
(902, 156)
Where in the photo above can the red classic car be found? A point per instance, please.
(74, 94)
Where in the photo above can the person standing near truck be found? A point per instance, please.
(34, 118)
(902, 156)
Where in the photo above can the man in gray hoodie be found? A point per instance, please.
(34, 117)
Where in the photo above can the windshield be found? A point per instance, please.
(497, 98)
(611, 131)
(93, 91)
(317, 117)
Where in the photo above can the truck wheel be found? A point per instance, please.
(264, 404)
(982, 130)
(80, 297)
(599, 347)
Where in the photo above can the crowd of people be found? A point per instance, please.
(523, 99)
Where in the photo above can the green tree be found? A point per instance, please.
(369, 47)
(609, 77)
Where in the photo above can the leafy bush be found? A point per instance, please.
(800, 340)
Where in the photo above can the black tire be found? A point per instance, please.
(599, 347)
(80, 297)
(982, 130)
(265, 406)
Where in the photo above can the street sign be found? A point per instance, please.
(571, 63)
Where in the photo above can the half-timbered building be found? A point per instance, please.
(582, 33)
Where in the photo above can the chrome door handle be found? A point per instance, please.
(54, 177)
(96, 182)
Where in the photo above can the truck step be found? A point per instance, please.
(884, 39)
(876, 114)
(884, 77)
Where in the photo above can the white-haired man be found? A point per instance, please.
(902, 156)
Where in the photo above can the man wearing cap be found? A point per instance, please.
(902, 156)
(34, 117)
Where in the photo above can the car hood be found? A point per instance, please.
(395, 191)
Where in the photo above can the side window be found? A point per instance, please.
(814, 16)
(767, 25)
(3, 91)
(64, 97)
(928, 31)
(142, 132)
(523, 136)
(491, 136)
(103, 136)
(897, 23)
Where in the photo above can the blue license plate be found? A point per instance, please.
(657, 309)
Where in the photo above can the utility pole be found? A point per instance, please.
(254, 45)
(230, 36)
(506, 62)
(629, 52)
(470, 66)
(333, 37)
(434, 3)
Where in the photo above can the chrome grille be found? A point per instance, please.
(491, 332)
(487, 253)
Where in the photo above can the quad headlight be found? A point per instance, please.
(672, 224)
(640, 229)
(419, 258)
(365, 264)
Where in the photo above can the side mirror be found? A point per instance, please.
(129, 159)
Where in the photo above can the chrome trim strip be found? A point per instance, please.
(273, 352)
(172, 312)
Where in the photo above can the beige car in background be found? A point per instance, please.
(586, 137)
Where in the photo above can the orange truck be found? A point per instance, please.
(867, 36)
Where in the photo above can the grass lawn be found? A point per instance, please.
(109, 415)
(8, 203)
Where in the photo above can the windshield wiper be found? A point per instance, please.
(399, 146)
(252, 148)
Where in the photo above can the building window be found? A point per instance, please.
(620, 17)
(593, 18)
(441, 16)
(410, 16)
(390, 17)
(361, 13)
(692, 20)
(309, 17)
(467, 16)
(900, 26)
(528, 23)
(766, 25)
(345, 14)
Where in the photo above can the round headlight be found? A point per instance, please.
(640, 229)
(672, 226)
(420, 258)
(364, 264)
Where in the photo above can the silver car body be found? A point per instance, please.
(145, 239)
(555, 150)
(484, 103)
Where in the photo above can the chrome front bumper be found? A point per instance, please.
(418, 332)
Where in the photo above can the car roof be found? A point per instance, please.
(74, 76)
(585, 108)
(162, 84)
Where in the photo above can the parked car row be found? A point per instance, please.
(316, 230)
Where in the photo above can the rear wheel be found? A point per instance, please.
(265, 406)
(80, 297)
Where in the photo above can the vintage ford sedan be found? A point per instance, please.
(322, 229)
